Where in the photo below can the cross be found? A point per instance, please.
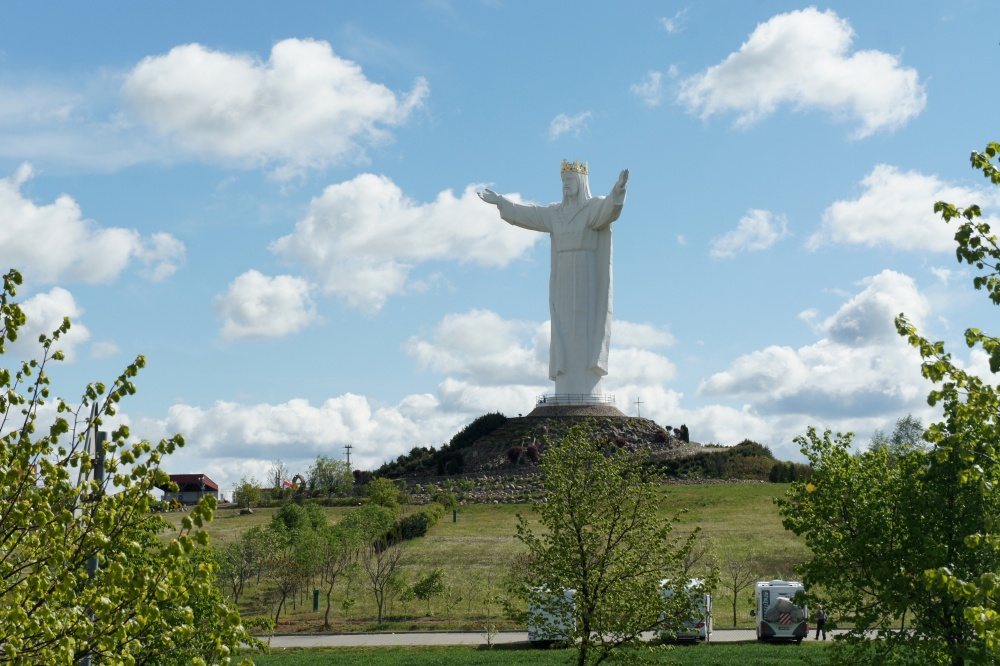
(348, 448)
(638, 410)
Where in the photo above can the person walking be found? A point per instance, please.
(820, 622)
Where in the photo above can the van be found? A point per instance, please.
(696, 627)
(546, 627)
(777, 615)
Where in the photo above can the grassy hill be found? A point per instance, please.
(477, 551)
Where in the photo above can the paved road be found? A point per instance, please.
(452, 638)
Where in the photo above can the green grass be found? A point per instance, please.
(731, 654)
(479, 548)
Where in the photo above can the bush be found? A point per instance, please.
(533, 453)
(750, 467)
(416, 525)
(446, 499)
(478, 429)
(661, 437)
(514, 454)
(452, 462)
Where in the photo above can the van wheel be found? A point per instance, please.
(798, 641)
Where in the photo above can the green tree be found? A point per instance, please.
(602, 538)
(328, 476)
(430, 586)
(907, 435)
(383, 492)
(247, 492)
(147, 596)
(338, 550)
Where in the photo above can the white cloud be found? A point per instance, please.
(757, 230)
(896, 209)
(563, 124)
(259, 306)
(649, 91)
(304, 108)
(482, 345)
(675, 24)
(362, 237)
(45, 313)
(803, 59)
(297, 431)
(53, 242)
(861, 367)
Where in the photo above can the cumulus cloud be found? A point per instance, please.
(260, 306)
(896, 209)
(297, 431)
(45, 313)
(361, 238)
(650, 91)
(306, 107)
(859, 367)
(563, 124)
(647, 336)
(803, 59)
(72, 247)
(756, 231)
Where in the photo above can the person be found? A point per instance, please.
(820, 622)
(580, 279)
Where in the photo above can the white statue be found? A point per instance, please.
(580, 279)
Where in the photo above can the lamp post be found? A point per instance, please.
(93, 447)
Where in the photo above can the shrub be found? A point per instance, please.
(478, 429)
(684, 434)
(661, 436)
(533, 453)
(751, 448)
(514, 454)
(451, 462)
(416, 525)
(446, 499)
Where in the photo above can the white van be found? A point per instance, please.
(545, 627)
(697, 627)
(777, 616)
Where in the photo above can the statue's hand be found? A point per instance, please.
(622, 181)
(490, 197)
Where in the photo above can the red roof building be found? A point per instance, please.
(191, 488)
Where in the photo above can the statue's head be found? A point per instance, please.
(574, 180)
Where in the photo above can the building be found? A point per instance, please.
(191, 488)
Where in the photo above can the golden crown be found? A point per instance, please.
(575, 167)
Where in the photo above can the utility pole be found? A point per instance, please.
(348, 448)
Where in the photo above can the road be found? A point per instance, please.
(451, 638)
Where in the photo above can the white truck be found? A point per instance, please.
(696, 627)
(546, 626)
(777, 615)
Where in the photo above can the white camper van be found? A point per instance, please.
(698, 627)
(777, 616)
(545, 627)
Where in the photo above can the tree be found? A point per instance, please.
(277, 474)
(430, 586)
(379, 560)
(737, 573)
(85, 572)
(383, 492)
(328, 476)
(247, 492)
(338, 549)
(908, 435)
(602, 538)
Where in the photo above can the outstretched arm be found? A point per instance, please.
(490, 197)
(618, 191)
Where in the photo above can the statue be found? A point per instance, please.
(580, 280)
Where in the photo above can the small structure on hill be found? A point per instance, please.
(191, 488)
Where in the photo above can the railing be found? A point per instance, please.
(576, 399)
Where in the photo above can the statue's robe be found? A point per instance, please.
(580, 284)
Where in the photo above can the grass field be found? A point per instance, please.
(476, 551)
(732, 654)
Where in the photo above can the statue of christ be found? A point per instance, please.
(580, 282)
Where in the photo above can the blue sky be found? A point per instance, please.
(276, 205)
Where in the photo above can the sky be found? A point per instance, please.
(276, 205)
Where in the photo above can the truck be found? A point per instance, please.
(777, 614)
(545, 627)
(697, 626)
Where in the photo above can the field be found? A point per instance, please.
(704, 655)
(476, 552)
